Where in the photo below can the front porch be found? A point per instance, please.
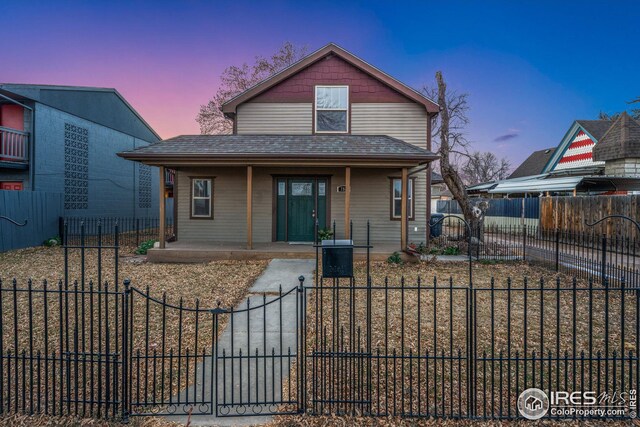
(193, 252)
(268, 194)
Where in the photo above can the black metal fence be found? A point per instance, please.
(584, 255)
(445, 350)
(408, 348)
(416, 349)
(131, 231)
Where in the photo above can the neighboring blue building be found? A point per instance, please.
(64, 139)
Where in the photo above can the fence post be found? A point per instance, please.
(603, 267)
(302, 386)
(524, 242)
(557, 249)
(126, 401)
(137, 232)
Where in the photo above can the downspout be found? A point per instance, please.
(32, 150)
(133, 181)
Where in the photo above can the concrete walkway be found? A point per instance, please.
(252, 384)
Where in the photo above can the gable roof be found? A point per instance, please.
(593, 129)
(621, 141)
(299, 148)
(533, 164)
(105, 106)
(230, 106)
(597, 128)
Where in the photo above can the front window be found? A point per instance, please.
(396, 199)
(332, 109)
(201, 206)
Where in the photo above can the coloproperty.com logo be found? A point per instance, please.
(534, 404)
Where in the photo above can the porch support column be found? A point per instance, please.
(249, 207)
(404, 219)
(347, 202)
(161, 237)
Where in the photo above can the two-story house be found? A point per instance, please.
(64, 140)
(330, 138)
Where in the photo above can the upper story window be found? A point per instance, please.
(332, 109)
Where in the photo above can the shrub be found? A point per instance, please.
(53, 241)
(395, 258)
(325, 234)
(144, 247)
(451, 250)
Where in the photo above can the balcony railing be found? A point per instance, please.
(169, 177)
(13, 145)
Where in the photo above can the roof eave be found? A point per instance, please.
(189, 158)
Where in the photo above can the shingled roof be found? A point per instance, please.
(534, 164)
(597, 128)
(381, 148)
(621, 141)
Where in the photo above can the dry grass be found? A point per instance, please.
(79, 322)
(205, 284)
(338, 421)
(415, 366)
(394, 323)
(49, 421)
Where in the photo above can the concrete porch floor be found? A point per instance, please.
(186, 252)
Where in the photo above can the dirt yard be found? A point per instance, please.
(546, 330)
(395, 322)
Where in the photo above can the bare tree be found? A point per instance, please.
(236, 79)
(484, 167)
(635, 112)
(452, 144)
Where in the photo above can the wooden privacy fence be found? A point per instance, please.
(570, 214)
(40, 209)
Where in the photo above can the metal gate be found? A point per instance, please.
(257, 357)
(222, 362)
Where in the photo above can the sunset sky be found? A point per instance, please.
(530, 68)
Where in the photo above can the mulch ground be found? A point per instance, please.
(227, 282)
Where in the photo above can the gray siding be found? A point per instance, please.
(113, 181)
(404, 121)
(41, 210)
(370, 201)
(229, 206)
(274, 118)
(371, 188)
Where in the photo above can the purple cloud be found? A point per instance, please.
(506, 137)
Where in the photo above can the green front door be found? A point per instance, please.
(299, 201)
(301, 210)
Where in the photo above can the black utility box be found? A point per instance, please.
(337, 258)
(436, 229)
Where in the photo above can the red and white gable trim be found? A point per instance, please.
(578, 154)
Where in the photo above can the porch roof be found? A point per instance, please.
(281, 149)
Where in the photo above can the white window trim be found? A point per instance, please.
(410, 194)
(194, 198)
(315, 110)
